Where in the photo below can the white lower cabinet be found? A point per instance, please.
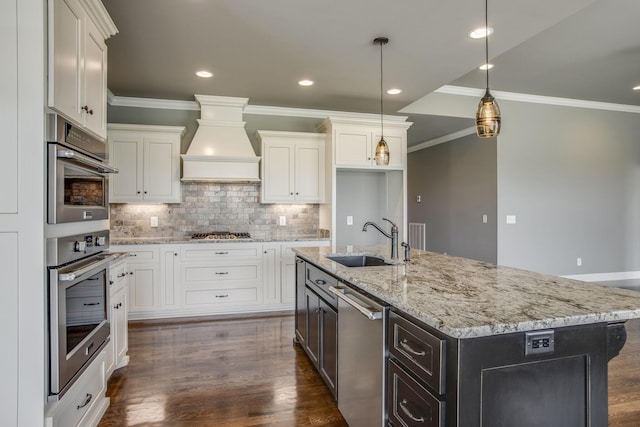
(194, 279)
(85, 402)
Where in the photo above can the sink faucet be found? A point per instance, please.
(393, 236)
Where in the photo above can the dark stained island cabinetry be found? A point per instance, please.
(470, 344)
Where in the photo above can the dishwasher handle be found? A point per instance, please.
(375, 314)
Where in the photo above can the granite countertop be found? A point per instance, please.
(188, 239)
(465, 298)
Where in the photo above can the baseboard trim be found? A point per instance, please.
(605, 277)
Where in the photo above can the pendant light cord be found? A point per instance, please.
(381, 92)
(486, 38)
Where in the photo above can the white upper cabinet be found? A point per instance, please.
(148, 163)
(78, 62)
(355, 146)
(292, 167)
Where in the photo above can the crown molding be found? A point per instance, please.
(539, 99)
(263, 110)
(442, 139)
(99, 15)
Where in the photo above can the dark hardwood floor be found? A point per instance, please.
(247, 372)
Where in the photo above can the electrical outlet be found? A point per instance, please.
(283, 220)
(153, 221)
(511, 219)
(349, 220)
(349, 248)
(539, 342)
(484, 219)
(579, 262)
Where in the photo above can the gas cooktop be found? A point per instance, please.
(221, 235)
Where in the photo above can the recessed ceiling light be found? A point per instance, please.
(485, 67)
(204, 74)
(305, 82)
(394, 91)
(481, 32)
(636, 88)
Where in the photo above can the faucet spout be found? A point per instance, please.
(393, 236)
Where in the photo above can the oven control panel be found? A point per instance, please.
(61, 250)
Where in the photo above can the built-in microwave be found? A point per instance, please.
(78, 174)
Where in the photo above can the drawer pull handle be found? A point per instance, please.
(407, 347)
(222, 253)
(121, 275)
(87, 399)
(222, 272)
(222, 296)
(133, 254)
(320, 282)
(408, 413)
(90, 303)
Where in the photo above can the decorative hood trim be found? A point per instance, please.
(220, 150)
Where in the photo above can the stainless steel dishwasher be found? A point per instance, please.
(361, 323)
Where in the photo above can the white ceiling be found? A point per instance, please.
(580, 49)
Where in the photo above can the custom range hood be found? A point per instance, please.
(220, 150)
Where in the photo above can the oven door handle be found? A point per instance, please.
(76, 274)
(86, 160)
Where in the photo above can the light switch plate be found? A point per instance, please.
(283, 220)
(484, 219)
(511, 219)
(153, 221)
(349, 220)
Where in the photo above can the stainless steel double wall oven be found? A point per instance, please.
(77, 264)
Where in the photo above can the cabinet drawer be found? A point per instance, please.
(212, 274)
(320, 281)
(220, 296)
(421, 352)
(117, 276)
(410, 404)
(138, 256)
(206, 252)
(82, 397)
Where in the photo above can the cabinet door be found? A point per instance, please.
(161, 170)
(309, 169)
(277, 181)
(328, 365)
(301, 301)
(95, 80)
(288, 281)
(65, 58)
(169, 269)
(353, 147)
(120, 319)
(397, 149)
(143, 287)
(125, 151)
(313, 326)
(271, 275)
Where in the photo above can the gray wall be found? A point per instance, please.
(457, 183)
(572, 178)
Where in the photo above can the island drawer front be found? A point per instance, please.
(320, 281)
(420, 351)
(409, 403)
(143, 255)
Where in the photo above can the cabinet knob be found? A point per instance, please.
(145, 192)
(137, 192)
(297, 193)
(175, 254)
(291, 194)
(111, 282)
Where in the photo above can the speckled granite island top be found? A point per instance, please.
(465, 298)
(182, 240)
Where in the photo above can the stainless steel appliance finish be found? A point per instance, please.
(360, 358)
(78, 301)
(221, 235)
(78, 174)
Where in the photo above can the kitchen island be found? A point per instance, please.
(474, 344)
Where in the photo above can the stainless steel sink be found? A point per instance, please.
(359, 260)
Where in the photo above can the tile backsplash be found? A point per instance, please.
(214, 206)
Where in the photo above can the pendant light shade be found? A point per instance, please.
(488, 112)
(382, 149)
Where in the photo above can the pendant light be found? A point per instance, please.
(382, 149)
(488, 113)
